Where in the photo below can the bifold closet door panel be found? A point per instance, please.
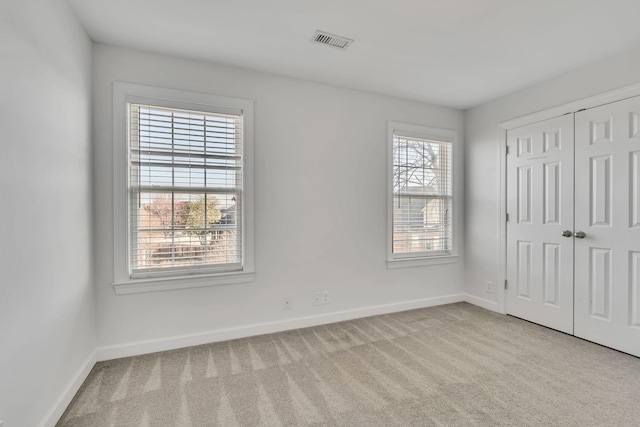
(539, 230)
(607, 270)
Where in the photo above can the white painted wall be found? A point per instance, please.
(320, 203)
(481, 165)
(47, 301)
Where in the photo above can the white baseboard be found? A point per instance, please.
(481, 302)
(151, 346)
(58, 408)
(162, 344)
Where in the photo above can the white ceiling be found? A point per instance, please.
(458, 53)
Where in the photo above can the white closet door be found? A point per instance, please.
(607, 270)
(540, 207)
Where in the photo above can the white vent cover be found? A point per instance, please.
(332, 40)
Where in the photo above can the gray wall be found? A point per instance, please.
(481, 167)
(47, 310)
(320, 203)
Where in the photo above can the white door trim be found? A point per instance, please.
(581, 104)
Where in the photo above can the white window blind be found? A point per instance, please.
(186, 190)
(422, 196)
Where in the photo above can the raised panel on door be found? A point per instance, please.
(607, 281)
(540, 207)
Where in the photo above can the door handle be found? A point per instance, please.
(580, 235)
(567, 233)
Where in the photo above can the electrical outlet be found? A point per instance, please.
(489, 286)
(286, 303)
(317, 298)
(325, 297)
(320, 298)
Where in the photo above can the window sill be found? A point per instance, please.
(421, 262)
(134, 286)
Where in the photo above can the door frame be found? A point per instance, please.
(571, 107)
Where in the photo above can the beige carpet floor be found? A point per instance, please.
(453, 365)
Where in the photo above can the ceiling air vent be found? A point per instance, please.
(332, 40)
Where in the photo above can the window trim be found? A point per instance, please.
(415, 259)
(124, 93)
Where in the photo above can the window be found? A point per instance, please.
(183, 204)
(420, 195)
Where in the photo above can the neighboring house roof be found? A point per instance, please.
(227, 219)
(409, 190)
